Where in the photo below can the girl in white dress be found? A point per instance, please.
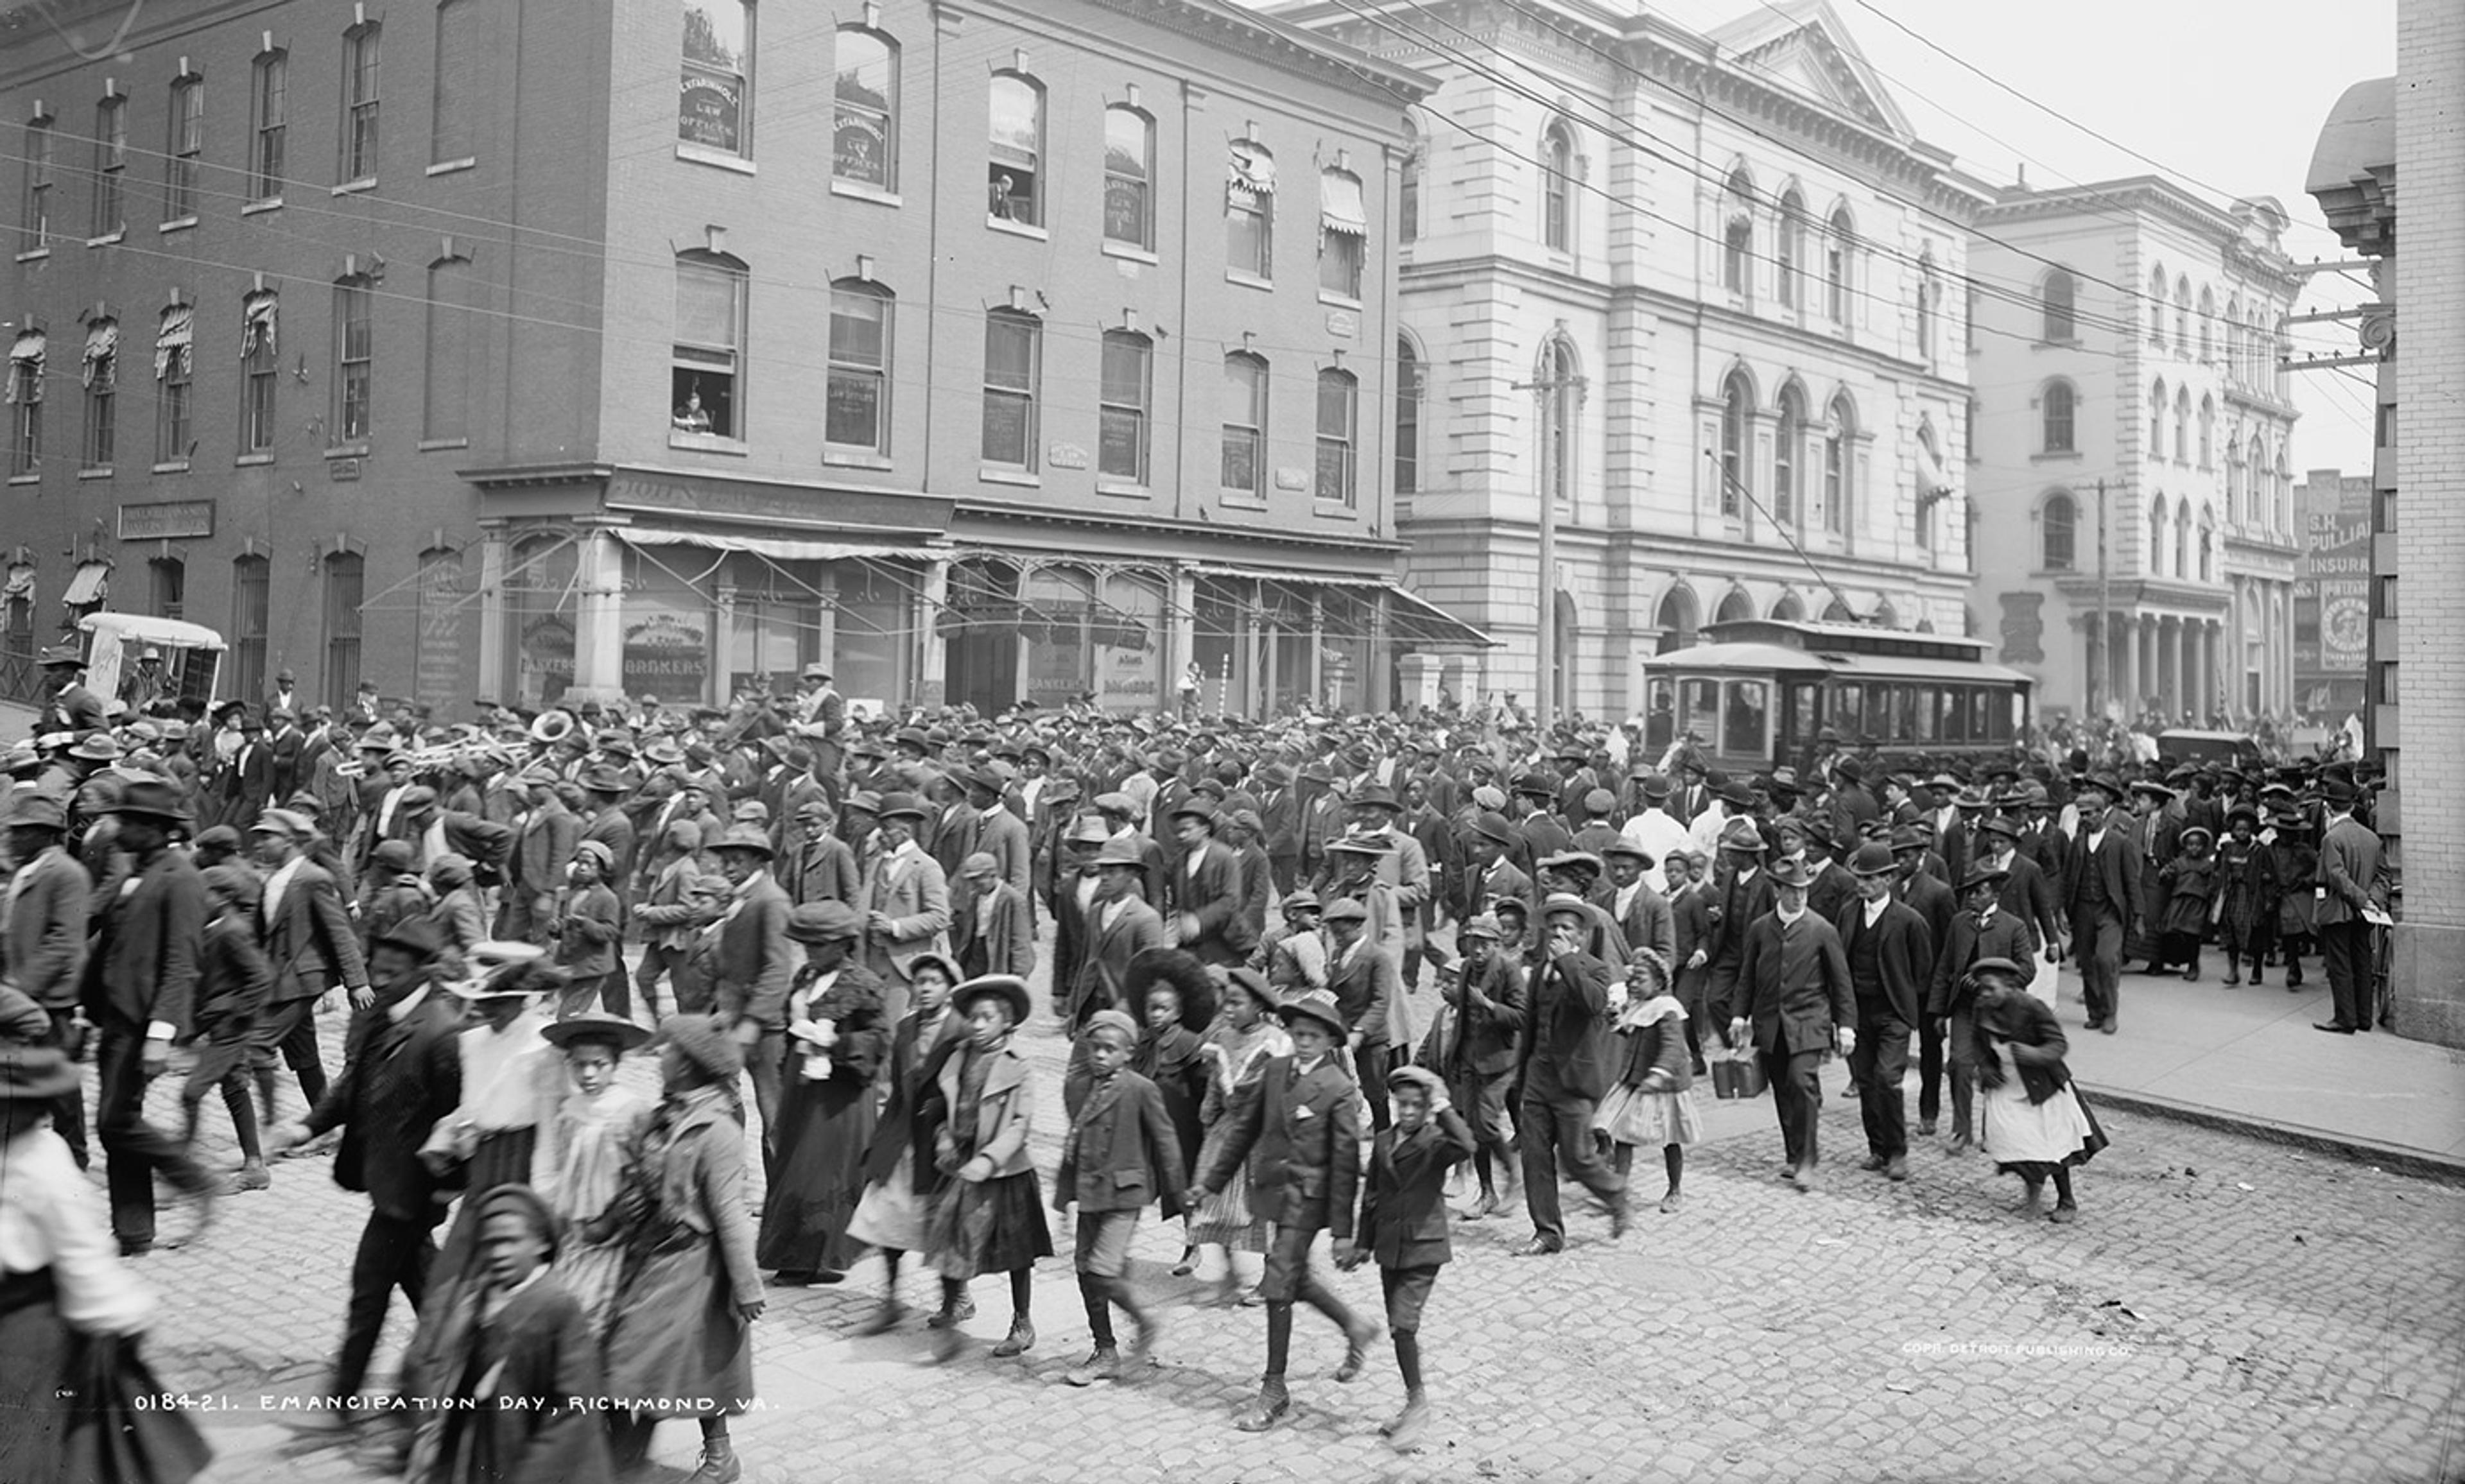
(2035, 1124)
(585, 1151)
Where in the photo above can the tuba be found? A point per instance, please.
(552, 727)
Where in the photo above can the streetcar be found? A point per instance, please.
(1758, 692)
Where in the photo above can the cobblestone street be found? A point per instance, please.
(2224, 1309)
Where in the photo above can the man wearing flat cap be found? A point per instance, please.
(906, 901)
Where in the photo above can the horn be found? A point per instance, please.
(552, 727)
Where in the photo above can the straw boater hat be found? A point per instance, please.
(594, 1026)
(1008, 989)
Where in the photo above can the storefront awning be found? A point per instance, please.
(1408, 616)
(777, 548)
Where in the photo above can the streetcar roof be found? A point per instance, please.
(1744, 656)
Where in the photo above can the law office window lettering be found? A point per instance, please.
(864, 135)
(718, 66)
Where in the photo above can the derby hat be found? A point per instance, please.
(1740, 834)
(153, 798)
(745, 837)
(1873, 859)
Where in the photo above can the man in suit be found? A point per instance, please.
(73, 706)
(1362, 976)
(608, 824)
(284, 741)
(681, 899)
(248, 784)
(1203, 892)
(1072, 903)
(309, 942)
(1120, 926)
(1568, 1046)
(2350, 881)
(1243, 830)
(1740, 894)
(542, 846)
(1485, 990)
(1297, 1128)
(907, 903)
(285, 694)
(1489, 876)
(825, 869)
(43, 935)
(950, 836)
(1890, 952)
(1983, 930)
(402, 1073)
(999, 832)
(745, 960)
(1795, 1005)
(2101, 897)
(990, 931)
(1280, 812)
(139, 984)
(2157, 823)
(1403, 1221)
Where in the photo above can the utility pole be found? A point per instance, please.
(1546, 391)
(2104, 612)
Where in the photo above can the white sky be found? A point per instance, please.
(2227, 94)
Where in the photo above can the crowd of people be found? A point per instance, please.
(1328, 983)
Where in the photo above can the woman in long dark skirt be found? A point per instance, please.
(991, 1217)
(835, 1040)
(1176, 997)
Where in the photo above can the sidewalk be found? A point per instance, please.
(2248, 1058)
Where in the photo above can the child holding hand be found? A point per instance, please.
(1404, 1221)
(1121, 1154)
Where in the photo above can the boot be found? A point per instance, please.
(1404, 1433)
(1271, 1403)
(1102, 1363)
(718, 1464)
(1357, 1342)
(1020, 1338)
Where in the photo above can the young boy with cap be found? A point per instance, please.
(1404, 1224)
(1121, 1154)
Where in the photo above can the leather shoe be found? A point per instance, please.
(1803, 1176)
(1356, 1348)
(1019, 1342)
(1104, 1363)
(1873, 1161)
(2333, 1027)
(889, 1317)
(1541, 1247)
(1961, 1143)
(1897, 1168)
(1267, 1410)
(1620, 1209)
(2109, 1027)
(1925, 1128)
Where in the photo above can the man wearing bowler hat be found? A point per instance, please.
(1568, 1046)
(43, 934)
(138, 986)
(1794, 1004)
(2101, 897)
(744, 960)
(1891, 972)
(907, 903)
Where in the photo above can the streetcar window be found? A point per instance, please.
(1848, 709)
(1953, 701)
(1745, 728)
(2019, 712)
(1981, 712)
(1660, 718)
(1917, 702)
(1698, 708)
(1799, 718)
(1882, 722)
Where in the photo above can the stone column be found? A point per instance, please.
(599, 618)
(931, 651)
(494, 550)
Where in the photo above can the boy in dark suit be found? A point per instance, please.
(1300, 1120)
(1119, 1152)
(1404, 1225)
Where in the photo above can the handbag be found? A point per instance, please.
(1747, 1073)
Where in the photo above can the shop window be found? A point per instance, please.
(174, 376)
(864, 133)
(714, 99)
(252, 610)
(354, 360)
(261, 377)
(1245, 427)
(1343, 233)
(857, 414)
(360, 51)
(1014, 367)
(1014, 169)
(268, 130)
(110, 167)
(1126, 410)
(1339, 397)
(184, 151)
(345, 586)
(1250, 211)
(101, 393)
(1129, 178)
(706, 365)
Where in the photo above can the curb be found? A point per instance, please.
(2396, 1158)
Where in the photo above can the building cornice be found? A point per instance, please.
(1215, 536)
(2152, 196)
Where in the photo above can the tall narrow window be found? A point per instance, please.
(2208, 326)
(1930, 288)
(1788, 248)
(185, 148)
(354, 360)
(1408, 187)
(1014, 376)
(714, 101)
(1788, 447)
(101, 393)
(2183, 539)
(168, 578)
(2207, 432)
(857, 415)
(2157, 419)
(1245, 427)
(1129, 178)
(2060, 405)
(268, 131)
(360, 50)
(2059, 302)
(1839, 485)
(2156, 303)
(34, 226)
(1125, 410)
(110, 167)
(1737, 404)
(706, 365)
(1407, 418)
(2207, 546)
(2183, 317)
(346, 585)
(455, 91)
(2157, 528)
(174, 373)
(1557, 186)
(2182, 425)
(25, 401)
(1566, 401)
(1839, 264)
(251, 615)
(864, 131)
(1250, 211)
(445, 416)
(261, 374)
(1738, 234)
(2058, 533)
(1929, 470)
(1343, 233)
(1339, 424)
(1015, 169)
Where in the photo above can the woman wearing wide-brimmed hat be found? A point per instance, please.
(835, 1039)
(990, 1218)
(2190, 880)
(588, 1148)
(70, 1314)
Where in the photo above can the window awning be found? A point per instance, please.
(91, 585)
(102, 344)
(1408, 616)
(1339, 206)
(20, 583)
(26, 366)
(1253, 172)
(179, 323)
(257, 313)
(777, 548)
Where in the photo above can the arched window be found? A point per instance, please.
(1408, 187)
(1250, 211)
(2208, 326)
(1339, 436)
(712, 104)
(2182, 425)
(1677, 618)
(1014, 169)
(1129, 177)
(1735, 604)
(2059, 299)
(1789, 609)
(1565, 399)
(1788, 443)
(102, 392)
(2234, 338)
(1557, 188)
(2183, 317)
(1790, 249)
(857, 403)
(2157, 306)
(707, 366)
(1738, 234)
(2207, 432)
(2058, 533)
(1737, 401)
(1245, 428)
(2183, 539)
(1407, 418)
(2058, 409)
(269, 89)
(2237, 512)
(864, 139)
(1839, 264)
(1838, 488)
(1929, 289)
(2157, 419)
(2158, 526)
(2208, 545)
(1837, 611)
(1125, 407)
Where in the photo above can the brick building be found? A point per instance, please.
(2145, 357)
(986, 353)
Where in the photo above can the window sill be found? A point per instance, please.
(347, 451)
(709, 443)
(996, 473)
(1125, 489)
(107, 238)
(432, 445)
(1330, 510)
(36, 255)
(178, 224)
(2073, 344)
(170, 466)
(859, 190)
(854, 458)
(1131, 252)
(353, 187)
(251, 461)
(98, 472)
(25, 478)
(254, 207)
(703, 154)
(1338, 301)
(2053, 457)
(452, 167)
(1017, 228)
(1248, 280)
(1247, 503)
